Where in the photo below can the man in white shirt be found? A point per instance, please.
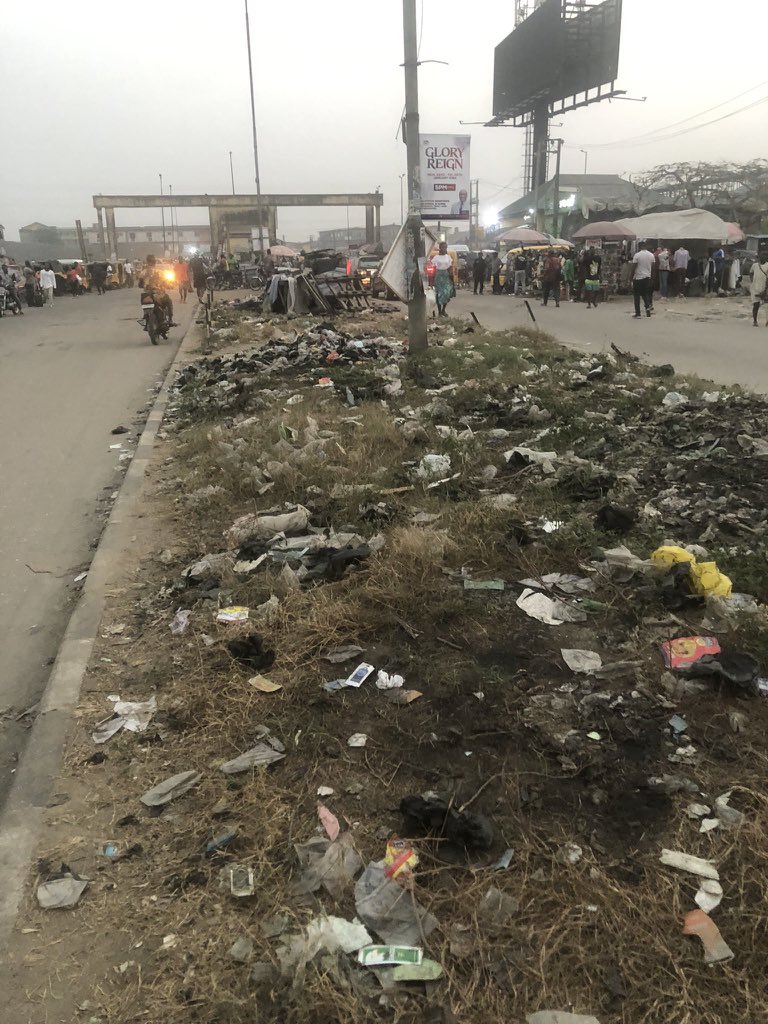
(641, 283)
(128, 272)
(48, 283)
(680, 261)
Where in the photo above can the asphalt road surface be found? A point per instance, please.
(710, 337)
(68, 375)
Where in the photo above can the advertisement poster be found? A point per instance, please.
(444, 177)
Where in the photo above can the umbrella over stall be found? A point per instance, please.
(607, 230)
(523, 236)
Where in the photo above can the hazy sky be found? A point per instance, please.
(101, 97)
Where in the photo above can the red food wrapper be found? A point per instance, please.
(687, 650)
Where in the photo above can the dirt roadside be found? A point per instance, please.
(564, 770)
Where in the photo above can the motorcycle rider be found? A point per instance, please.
(8, 280)
(151, 280)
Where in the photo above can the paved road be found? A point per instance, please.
(68, 375)
(713, 338)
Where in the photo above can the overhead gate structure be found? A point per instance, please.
(219, 206)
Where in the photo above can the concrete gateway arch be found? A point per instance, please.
(219, 205)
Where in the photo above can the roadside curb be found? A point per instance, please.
(21, 819)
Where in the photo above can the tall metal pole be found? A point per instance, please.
(556, 189)
(231, 172)
(253, 125)
(162, 212)
(173, 236)
(414, 232)
(536, 165)
(586, 154)
(402, 214)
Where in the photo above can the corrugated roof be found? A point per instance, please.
(595, 191)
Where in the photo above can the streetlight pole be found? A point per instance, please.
(556, 189)
(414, 232)
(162, 212)
(402, 214)
(586, 154)
(231, 172)
(253, 125)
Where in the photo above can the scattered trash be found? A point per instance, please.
(727, 815)
(558, 1017)
(709, 895)
(338, 655)
(133, 716)
(581, 661)
(433, 467)
(358, 739)
(695, 810)
(504, 860)
(427, 970)
(400, 858)
(484, 584)
(329, 822)
(241, 880)
(171, 788)
(322, 933)
(327, 864)
(264, 526)
(358, 677)
(390, 910)
(80, 577)
(324, 791)
(688, 650)
(678, 724)
(180, 621)
(693, 865)
(385, 681)
(220, 842)
(235, 614)
(260, 754)
(569, 853)
(241, 949)
(396, 696)
(264, 685)
(381, 956)
(61, 893)
(697, 922)
(545, 609)
(673, 399)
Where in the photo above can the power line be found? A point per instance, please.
(655, 136)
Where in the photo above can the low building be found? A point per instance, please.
(582, 198)
(135, 242)
(344, 238)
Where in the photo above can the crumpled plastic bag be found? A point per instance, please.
(133, 716)
(389, 910)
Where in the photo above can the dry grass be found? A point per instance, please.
(601, 936)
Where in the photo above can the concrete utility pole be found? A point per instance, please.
(253, 125)
(414, 231)
(556, 189)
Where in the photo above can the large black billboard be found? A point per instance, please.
(556, 53)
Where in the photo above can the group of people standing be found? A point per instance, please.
(555, 275)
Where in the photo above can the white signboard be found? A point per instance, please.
(393, 268)
(444, 177)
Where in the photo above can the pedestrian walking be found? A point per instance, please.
(551, 276)
(445, 281)
(680, 261)
(496, 266)
(48, 283)
(128, 274)
(479, 270)
(758, 287)
(569, 276)
(663, 256)
(592, 264)
(642, 279)
(197, 267)
(521, 266)
(99, 277)
(181, 269)
(30, 283)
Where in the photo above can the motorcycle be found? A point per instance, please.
(9, 302)
(155, 319)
